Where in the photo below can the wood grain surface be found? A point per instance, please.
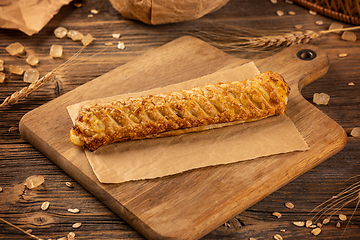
(20, 160)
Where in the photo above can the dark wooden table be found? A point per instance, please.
(19, 160)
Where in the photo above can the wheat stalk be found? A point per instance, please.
(24, 92)
(20, 229)
(240, 39)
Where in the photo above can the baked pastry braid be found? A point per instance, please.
(174, 113)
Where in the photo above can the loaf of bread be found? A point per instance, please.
(169, 114)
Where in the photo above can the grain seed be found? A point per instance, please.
(348, 36)
(319, 225)
(34, 181)
(343, 55)
(78, 5)
(69, 184)
(278, 237)
(279, 13)
(94, 11)
(289, 205)
(292, 13)
(355, 132)
(289, 1)
(338, 224)
(2, 77)
(312, 12)
(326, 221)
(308, 223)
(13, 129)
(109, 44)
(45, 206)
(351, 84)
(76, 225)
(342, 217)
(73, 210)
(276, 214)
(116, 35)
(1, 189)
(252, 238)
(15, 49)
(316, 231)
(15, 69)
(121, 45)
(71, 236)
(282, 230)
(299, 223)
(320, 23)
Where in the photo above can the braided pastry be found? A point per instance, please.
(174, 113)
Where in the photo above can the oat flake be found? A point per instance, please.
(278, 237)
(76, 225)
(316, 231)
(308, 223)
(342, 217)
(299, 223)
(45, 206)
(289, 205)
(276, 214)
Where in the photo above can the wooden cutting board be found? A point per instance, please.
(191, 204)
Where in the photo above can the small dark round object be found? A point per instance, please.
(306, 54)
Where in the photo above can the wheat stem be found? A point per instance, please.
(20, 229)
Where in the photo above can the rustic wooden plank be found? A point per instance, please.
(18, 159)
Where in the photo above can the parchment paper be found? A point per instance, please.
(153, 158)
(28, 16)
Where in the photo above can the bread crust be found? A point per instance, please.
(169, 114)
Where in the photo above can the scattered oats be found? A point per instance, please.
(312, 12)
(279, 13)
(320, 23)
(31, 75)
(308, 223)
(121, 46)
(75, 35)
(289, 1)
(276, 214)
(342, 217)
(321, 98)
(282, 230)
(2, 77)
(71, 236)
(1, 189)
(78, 5)
(273, 1)
(15, 69)
(94, 11)
(13, 129)
(29, 230)
(116, 35)
(109, 44)
(316, 231)
(343, 55)
(338, 224)
(56, 51)
(312, 226)
(88, 38)
(45, 206)
(335, 26)
(15, 49)
(34, 181)
(32, 60)
(277, 237)
(1, 65)
(355, 132)
(69, 184)
(60, 32)
(76, 225)
(351, 84)
(90, 15)
(289, 205)
(299, 223)
(348, 36)
(73, 210)
(319, 225)
(292, 13)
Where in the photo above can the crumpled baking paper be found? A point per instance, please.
(28, 16)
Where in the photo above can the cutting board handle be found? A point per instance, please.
(300, 64)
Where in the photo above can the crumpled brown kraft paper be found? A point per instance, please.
(28, 16)
(153, 158)
(166, 11)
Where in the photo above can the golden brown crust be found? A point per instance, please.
(174, 113)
